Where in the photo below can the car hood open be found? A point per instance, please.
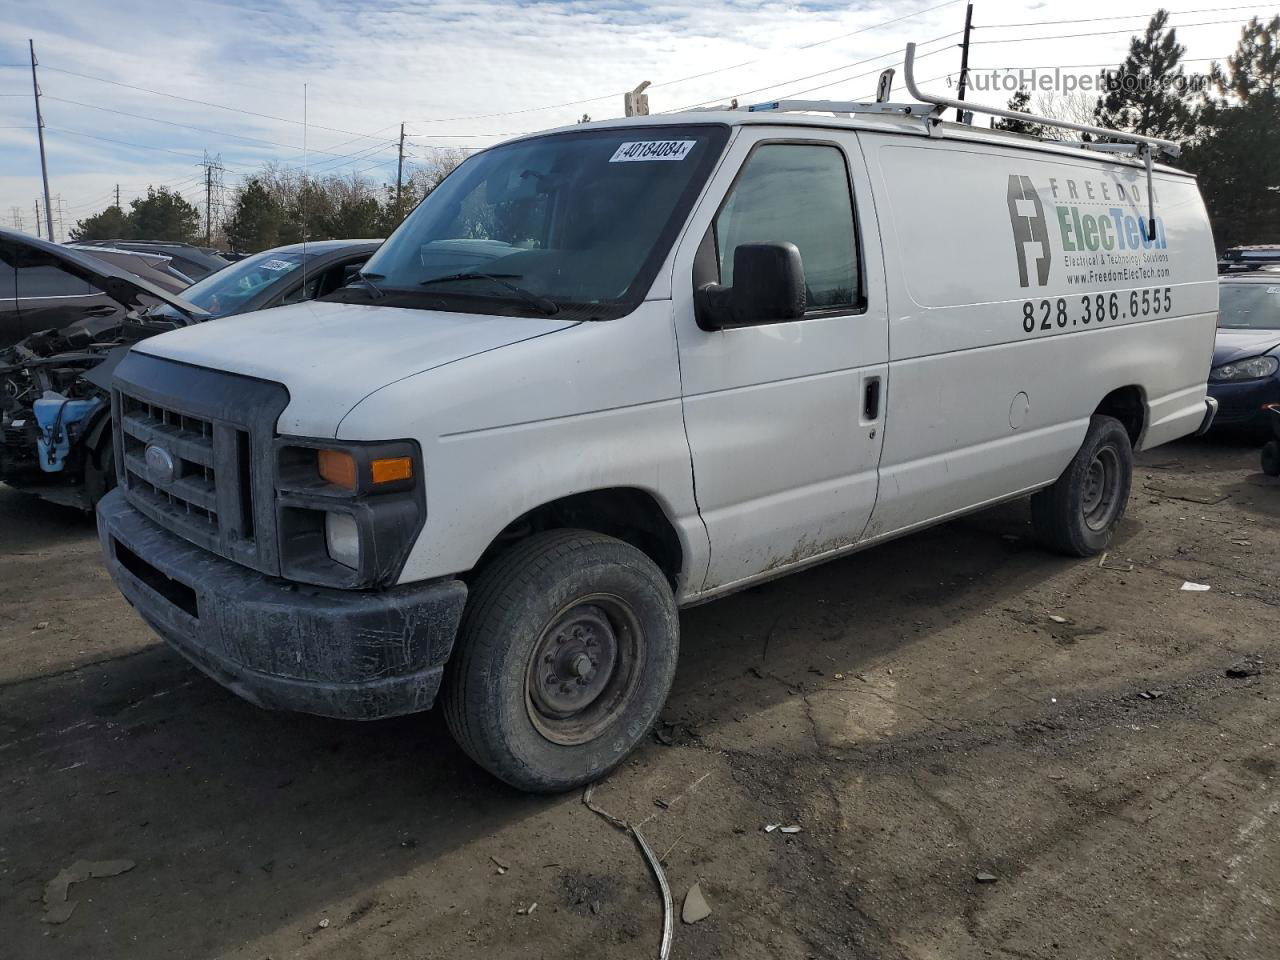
(128, 290)
(331, 355)
(1233, 345)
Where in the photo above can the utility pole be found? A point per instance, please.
(37, 216)
(400, 174)
(208, 202)
(44, 167)
(117, 196)
(964, 60)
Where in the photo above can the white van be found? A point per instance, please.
(613, 370)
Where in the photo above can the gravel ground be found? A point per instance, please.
(989, 751)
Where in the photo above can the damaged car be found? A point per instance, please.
(55, 436)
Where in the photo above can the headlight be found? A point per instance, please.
(342, 539)
(1255, 368)
(348, 513)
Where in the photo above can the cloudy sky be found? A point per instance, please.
(136, 91)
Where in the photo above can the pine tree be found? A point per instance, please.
(255, 222)
(1151, 94)
(163, 215)
(1236, 156)
(111, 224)
(1021, 102)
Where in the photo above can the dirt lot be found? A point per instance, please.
(952, 704)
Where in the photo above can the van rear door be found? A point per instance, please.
(785, 417)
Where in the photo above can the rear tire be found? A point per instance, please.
(1079, 514)
(1271, 458)
(565, 656)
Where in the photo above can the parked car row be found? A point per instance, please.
(69, 313)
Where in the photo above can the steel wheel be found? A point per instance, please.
(583, 669)
(1102, 489)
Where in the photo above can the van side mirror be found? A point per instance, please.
(768, 286)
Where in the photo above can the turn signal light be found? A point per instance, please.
(391, 469)
(338, 467)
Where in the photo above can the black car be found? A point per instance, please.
(1245, 377)
(195, 262)
(55, 438)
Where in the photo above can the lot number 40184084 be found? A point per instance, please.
(1059, 314)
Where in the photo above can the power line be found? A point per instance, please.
(1126, 16)
(823, 86)
(1095, 33)
(822, 73)
(208, 103)
(174, 123)
(809, 46)
(126, 143)
(665, 83)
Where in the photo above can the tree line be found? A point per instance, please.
(277, 205)
(1229, 128)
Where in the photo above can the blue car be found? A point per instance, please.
(1246, 356)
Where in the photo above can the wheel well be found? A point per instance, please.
(628, 514)
(1127, 405)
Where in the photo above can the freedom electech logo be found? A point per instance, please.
(1030, 230)
(1088, 223)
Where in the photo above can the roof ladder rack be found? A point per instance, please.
(1141, 145)
(844, 107)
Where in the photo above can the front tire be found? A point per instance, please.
(1079, 514)
(565, 656)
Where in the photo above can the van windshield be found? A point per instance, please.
(578, 220)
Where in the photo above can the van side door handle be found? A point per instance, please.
(871, 400)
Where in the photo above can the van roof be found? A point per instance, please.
(917, 126)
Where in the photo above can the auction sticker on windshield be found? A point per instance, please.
(652, 150)
(278, 265)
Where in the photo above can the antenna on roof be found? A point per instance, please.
(302, 196)
(636, 103)
(884, 86)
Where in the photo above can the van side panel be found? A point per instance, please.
(1023, 288)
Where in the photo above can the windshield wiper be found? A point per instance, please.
(548, 307)
(368, 279)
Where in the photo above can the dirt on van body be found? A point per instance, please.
(989, 751)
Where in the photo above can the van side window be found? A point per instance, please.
(797, 193)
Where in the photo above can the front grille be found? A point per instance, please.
(217, 430)
(192, 493)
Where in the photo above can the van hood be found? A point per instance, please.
(330, 356)
(1232, 345)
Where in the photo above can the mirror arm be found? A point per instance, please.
(713, 306)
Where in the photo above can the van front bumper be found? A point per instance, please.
(284, 646)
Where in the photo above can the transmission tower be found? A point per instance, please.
(213, 194)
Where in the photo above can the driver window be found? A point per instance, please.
(797, 193)
(304, 291)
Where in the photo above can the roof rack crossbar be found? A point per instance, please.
(843, 107)
(908, 76)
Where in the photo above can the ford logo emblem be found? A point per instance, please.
(160, 465)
